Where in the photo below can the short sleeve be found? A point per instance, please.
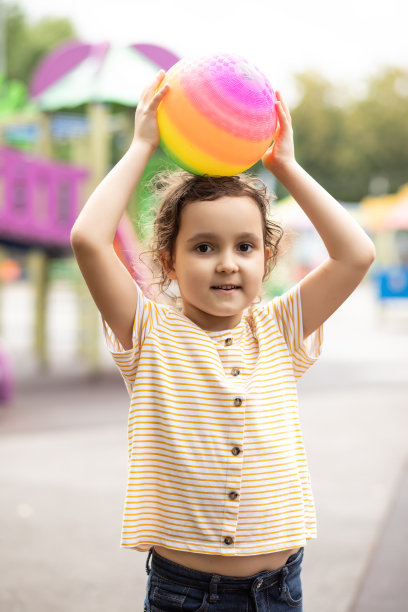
(127, 359)
(287, 312)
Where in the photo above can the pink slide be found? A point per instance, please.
(128, 249)
(6, 379)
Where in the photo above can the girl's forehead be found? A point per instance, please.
(225, 213)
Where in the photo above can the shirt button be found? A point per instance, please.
(237, 401)
(235, 371)
(228, 540)
(233, 495)
(228, 341)
(236, 450)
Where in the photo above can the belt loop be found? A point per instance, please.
(215, 578)
(282, 578)
(148, 569)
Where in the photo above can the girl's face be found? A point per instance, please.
(219, 260)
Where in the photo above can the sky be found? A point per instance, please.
(346, 41)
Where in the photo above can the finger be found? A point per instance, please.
(150, 89)
(281, 99)
(284, 105)
(159, 78)
(269, 149)
(282, 117)
(284, 122)
(158, 96)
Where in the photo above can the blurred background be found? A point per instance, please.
(70, 77)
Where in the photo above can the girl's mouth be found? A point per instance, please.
(226, 288)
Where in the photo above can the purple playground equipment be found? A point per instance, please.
(40, 200)
(40, 197)
(77, 73)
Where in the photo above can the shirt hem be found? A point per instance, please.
(236, 552)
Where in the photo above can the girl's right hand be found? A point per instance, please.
(146, 127)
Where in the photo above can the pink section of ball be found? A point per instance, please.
(232, 93)
(245, 85)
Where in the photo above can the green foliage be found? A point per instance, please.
(348, 143)
(380, 125)
(13, 95)
(145, 200)
(27, 44)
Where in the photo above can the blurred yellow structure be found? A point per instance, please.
(378, 210)
(386, 219)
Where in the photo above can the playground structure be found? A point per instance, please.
(41, 196)
(55, 151)
(40, 199)
(386, 217)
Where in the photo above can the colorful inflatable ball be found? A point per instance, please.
(218, 117)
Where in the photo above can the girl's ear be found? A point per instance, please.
(267, 254)
(167, 263)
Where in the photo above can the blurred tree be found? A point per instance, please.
(353, 146)
(319, 131)
(27, 43)
(379, 131)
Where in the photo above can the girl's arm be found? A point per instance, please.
(351, 252)
(92, 235)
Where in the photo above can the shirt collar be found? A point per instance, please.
(235, 332)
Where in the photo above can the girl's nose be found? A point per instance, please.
(227, 264)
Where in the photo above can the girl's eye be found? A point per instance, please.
(245, 247)
(202, 248)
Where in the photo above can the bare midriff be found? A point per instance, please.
(227, 566)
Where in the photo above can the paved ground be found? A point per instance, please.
(63, 470)
(383, 586)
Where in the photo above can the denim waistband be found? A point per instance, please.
(191, 577)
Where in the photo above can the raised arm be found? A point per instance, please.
(92, 235)
(351, 252)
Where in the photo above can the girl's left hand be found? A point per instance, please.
(282, 150)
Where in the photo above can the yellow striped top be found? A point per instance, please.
(217, 462)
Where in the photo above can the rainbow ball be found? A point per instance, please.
(218, 117)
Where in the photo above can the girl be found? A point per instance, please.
(218, 485)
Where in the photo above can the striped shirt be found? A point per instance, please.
(217, 462)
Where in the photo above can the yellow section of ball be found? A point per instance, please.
(183, 149)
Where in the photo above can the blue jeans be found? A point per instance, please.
(172, 587)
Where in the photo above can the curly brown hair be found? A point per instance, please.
(174, 189)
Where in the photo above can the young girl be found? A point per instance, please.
(218, 488)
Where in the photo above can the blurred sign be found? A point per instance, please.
(393, 282)
(17, 134)
(64, 126)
